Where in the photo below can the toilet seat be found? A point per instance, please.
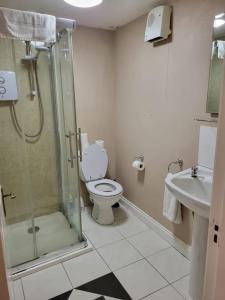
(104, 187)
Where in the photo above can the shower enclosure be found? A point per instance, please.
(39, 153)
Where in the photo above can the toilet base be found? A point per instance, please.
(102, 215)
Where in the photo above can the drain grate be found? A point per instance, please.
(32, 230)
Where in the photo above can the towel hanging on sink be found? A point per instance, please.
(171, 206)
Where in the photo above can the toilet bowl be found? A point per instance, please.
(103, 192)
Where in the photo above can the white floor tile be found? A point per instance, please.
(148, 242)
(121, 214)
(16, 290)
(140, 279)
(170, 263)
(85, 268)
(46, 284)
(182, 286)
(87, 221)
(100, 236)
(131, 226)
(119, 254)
(167, 293)
(80, 295)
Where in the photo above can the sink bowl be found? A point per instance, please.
(194, 193)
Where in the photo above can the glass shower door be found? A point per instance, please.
(62, 227)
(67, 130)
(17, 208)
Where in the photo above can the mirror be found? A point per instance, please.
(216, 73)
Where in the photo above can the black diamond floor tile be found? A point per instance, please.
(107, 285)
(64, 296)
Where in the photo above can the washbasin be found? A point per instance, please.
(194, 193)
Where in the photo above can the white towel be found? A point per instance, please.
(221, 49)
(171, 207)
(27, 26)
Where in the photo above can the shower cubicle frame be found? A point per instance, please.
(63, 26)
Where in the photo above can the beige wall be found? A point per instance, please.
(158, 92)
(94, 86)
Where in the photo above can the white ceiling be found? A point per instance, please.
(108, 15)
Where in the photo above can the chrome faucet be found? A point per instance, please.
(194, 172)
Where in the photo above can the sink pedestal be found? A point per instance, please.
(198, 256)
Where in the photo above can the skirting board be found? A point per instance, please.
(167, 235)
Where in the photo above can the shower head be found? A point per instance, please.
(34, 58)
(29, 58)
(41, 48)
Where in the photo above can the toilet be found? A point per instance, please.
(103, 193)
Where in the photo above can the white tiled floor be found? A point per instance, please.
(16, 290)
(85, 268)
(140, 279)
(146, 265)
(131, 226)
(148, 242)
(46, 283)
(101, 236)
(170, 263)
(119, 254)
(182, 286)
(164, 294)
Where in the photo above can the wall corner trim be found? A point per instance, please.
(167, 235)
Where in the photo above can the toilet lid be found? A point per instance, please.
(94, 163)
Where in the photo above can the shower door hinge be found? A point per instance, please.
(215, 236)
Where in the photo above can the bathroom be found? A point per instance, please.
(147, 105)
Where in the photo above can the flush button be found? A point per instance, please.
(2, 80)
(2, 90)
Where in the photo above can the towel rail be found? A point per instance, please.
(178, 162)
(205, 120)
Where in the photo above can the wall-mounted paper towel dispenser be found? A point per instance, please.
(158, 24)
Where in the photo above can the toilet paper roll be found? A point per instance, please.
(101, 143)
(138, 165)
(84, 140)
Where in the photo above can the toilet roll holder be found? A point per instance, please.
(138, 163)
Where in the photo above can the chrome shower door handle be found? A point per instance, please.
(72, 156)
(3, 196)
(80, 144)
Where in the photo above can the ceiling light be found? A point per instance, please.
(84, 3)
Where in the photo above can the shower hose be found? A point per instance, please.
(41, 111)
